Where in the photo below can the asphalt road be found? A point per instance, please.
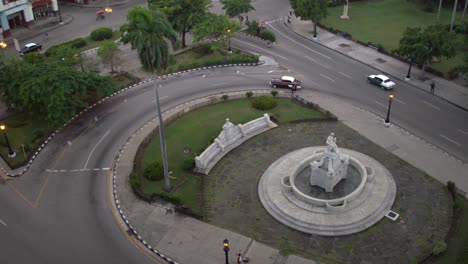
(66, 217)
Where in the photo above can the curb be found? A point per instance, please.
(58, 130)
(399, 78)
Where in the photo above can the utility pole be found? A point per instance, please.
(162, 139)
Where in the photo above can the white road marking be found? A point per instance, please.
(95, 146)
(327, 77)
(160, 98)
(106, 169)
(345, 75)
(314, 60)
(262, 49)
(381, 104)
(69, 143)
(454, 142)
(431, 105)
(204, 75)
(323, 55)
(3, 223)
(400, 101)
(96, 169)
(463, 132)
(78, 170)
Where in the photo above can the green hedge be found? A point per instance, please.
(154, 171)
(267, 35)
(76, 44)
(101, 34)
(264, 102)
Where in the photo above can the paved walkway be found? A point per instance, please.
(447, 90)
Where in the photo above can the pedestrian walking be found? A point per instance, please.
(432, 87)
(246, 18)
(290, 12)
(293, 89)
(239, 258)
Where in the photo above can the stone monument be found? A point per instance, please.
(331, 168)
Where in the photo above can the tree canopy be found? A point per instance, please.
(147, 32)
(182, 14)
(50, 88)
(236, 7)
(422, 45)
(314, 10)
(107, 51)
(215, 26)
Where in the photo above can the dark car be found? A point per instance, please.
(285, 82)
(381, 81)
(30, 47)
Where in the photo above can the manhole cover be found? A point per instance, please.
(343, 45)
(381, 60)
(187, 150)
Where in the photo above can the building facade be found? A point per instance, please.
(21, 13)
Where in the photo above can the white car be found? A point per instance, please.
(381, 81)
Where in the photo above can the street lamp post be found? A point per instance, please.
(226, 249)
(3, 45)
(387, 120)
(11, 153)
(408, 75)
(229, 40)
(109, 11)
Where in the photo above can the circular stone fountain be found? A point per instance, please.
(326, 191)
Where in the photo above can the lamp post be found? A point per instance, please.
(11, 153)
(226, 249)
(3, 45)
(387, 120)
(408, 75)
(109, 11)
(229, 40)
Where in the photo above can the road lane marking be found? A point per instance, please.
(261, 49)
(314, 60)
(431, 105)
(3, 223)
(454, 142)
(95, 146)
(401, 102)
(345, 75)
(160, 98)
(381, 104)
(323, 55)
(324, 76)
(463, 132)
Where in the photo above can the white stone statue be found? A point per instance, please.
(331, 168)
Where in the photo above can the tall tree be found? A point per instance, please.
(107, 51)
(314, 10)
(183, 14)
(235, 8)
(215, 26)
(423, 45)
(147, 31)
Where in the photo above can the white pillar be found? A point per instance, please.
(28, 14)
(345, 11)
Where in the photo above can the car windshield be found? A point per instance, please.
(387, 81)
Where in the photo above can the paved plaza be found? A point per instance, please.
(231, 200)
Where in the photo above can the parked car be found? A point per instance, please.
(30, 47)
(285, 82)
(382, 81)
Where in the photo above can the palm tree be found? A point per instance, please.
(147, 31)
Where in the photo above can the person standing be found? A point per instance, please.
(432, 87)
(239, 258)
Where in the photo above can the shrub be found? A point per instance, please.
(206, 49)
(188, 163)
(101, 34)
(274, 93)
(194, 64)
(76, 44)
(225, 97)
(452, 73)
(458, 204)
(33, 57)
(134, 181)
(154, 171)
(38, 134)
(267, 35)
(264, 102)
(248, 94)
(439, 248)
(252, 27)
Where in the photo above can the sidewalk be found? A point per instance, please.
(444, 89)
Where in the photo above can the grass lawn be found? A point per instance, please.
(23, 129)
(457, 245)
(383, 22)
(195, 130)
(200, 56)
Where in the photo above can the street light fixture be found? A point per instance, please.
(387, 120)
(11, 153)
(109, 11)
(3, 45)
(408, 75)
(226, 249)
(229, 40)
